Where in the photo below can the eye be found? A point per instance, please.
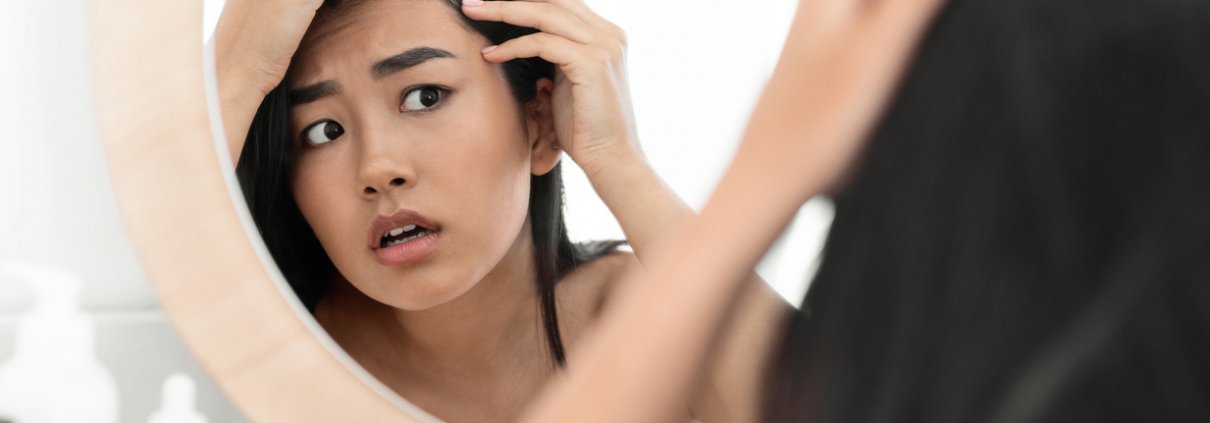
(322, 132)
(422, 98)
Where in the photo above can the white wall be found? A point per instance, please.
(57, 212)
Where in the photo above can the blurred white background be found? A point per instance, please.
(696, 70)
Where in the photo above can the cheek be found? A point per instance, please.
(320, 203)
(492, 171)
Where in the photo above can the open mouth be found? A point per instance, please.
(403, 235)
(403, 238)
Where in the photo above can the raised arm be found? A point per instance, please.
(253, 44)
(838, 68)
(593, 121)
(590, 106)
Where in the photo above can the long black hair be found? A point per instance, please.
(267, 158)
(1029, 238)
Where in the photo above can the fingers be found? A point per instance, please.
(570, 18)
(564, 38)
(555, 49)
(582, 12)
(545, 17)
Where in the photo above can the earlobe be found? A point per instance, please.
(545, 159)
(543, 140)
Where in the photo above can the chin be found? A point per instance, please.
(421, 302)
(421, 292)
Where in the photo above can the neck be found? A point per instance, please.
(493, 329)
(497, 320)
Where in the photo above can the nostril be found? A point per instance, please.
(394, 183)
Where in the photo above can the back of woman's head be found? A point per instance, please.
(1029, 238)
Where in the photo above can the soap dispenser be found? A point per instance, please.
(177, 402)
(54, 376)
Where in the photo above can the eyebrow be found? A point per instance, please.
(407, 59)
(311, 93)
(381, 69)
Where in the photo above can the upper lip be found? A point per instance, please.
(401, 218)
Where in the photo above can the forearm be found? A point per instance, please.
(648, 211)
(735, 376)
(238, 102)
(651, 214)
(670, 319)
(253, 45)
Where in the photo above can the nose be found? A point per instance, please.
(384, 165)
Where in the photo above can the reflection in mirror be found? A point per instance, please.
(454, 212)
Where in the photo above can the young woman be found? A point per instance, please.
(402, 167)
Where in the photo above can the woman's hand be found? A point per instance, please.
(590, 99)
(255, 40)
(253, 44)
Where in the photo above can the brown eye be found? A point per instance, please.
(422, 98)
(322, 132)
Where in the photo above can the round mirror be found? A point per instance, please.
(371, 250)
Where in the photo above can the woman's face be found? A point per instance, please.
(402, 130)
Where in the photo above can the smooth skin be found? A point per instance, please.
(838, 69)
(466, 347)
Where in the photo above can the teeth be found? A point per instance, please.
(398, 231)
(422, 233)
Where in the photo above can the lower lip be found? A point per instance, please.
(409, 252)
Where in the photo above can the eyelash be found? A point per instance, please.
(442, 94)
(302, 137)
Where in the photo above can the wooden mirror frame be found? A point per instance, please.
(182, 211)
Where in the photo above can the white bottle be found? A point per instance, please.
(176, 404)
(53, 376)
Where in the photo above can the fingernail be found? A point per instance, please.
(472, 3)
(488, 49)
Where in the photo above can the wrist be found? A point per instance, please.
(240, 95)
(239, 86)
(618, 159)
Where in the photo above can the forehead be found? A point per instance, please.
(356, 37)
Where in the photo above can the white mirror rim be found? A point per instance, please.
(175, 197)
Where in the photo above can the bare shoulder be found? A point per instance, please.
(589, 286)
(583, 292)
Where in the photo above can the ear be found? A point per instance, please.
(544, 146)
